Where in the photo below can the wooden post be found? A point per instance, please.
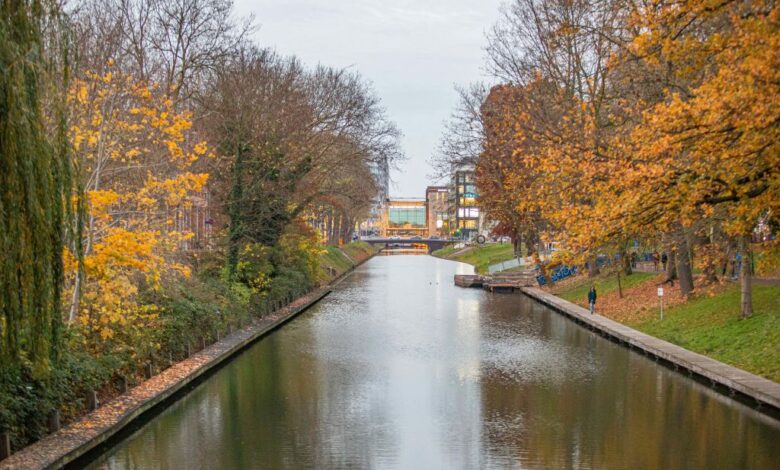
(92, 401)
(148, 370)
(123, 385)
(54, 421)
(187, 350)
(217, 336)
(202, 342)
(230, 328)
(5, 445)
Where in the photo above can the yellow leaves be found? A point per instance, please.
(82, 94)
(100, 201)
(200, 148)
(135, 151)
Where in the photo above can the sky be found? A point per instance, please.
(413, 52)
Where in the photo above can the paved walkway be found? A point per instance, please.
(765, 392)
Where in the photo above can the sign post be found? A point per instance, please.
(661, 298)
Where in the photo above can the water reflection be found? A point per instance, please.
(400, 369)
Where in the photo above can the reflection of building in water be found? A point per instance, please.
(437, 211)
(405, 218)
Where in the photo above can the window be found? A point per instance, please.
(401, 216)
(468, 213)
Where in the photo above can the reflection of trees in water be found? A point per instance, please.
(631, 413)
(399, 362)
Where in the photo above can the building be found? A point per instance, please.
(437, 211)
(464, 211)
(405, 217)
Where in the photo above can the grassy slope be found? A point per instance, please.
(333, 263)
(446, 251)
(577, 290)
(481, 256)
(708, 324)
(711, 326)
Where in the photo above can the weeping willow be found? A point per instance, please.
(35, 184)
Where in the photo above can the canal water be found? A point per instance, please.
(398, 368)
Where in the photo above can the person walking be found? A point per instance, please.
(592, 299)
(664, 259)
(655, 261)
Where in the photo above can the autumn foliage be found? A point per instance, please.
(619, 123)
(164, 180)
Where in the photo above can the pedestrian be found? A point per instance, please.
(634, 259)
(592, 299)
(655, 261)
(664, 259)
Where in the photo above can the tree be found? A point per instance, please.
(134, 157)
(35, 183)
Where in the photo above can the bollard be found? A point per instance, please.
(54, 421)
(148, 371)
(92, 400)
(123, 385)
(5, 445)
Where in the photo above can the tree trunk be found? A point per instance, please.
(625, 260)
(671, 268)
(593, 268)
(683, 265)
(235, 213)
(620, 286)
(516, 244)
(745, 281)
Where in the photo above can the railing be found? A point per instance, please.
(504, 265)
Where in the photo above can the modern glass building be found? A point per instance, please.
(437, 202)
(465, 213)
(406, 217)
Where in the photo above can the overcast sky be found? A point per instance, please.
(413, 52)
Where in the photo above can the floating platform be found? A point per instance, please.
(499, 282)
(468, 280)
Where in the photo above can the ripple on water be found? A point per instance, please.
(525, 359)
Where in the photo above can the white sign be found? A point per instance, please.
(660, 292)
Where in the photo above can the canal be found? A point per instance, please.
(398, 368)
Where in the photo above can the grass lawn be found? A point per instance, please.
(446, 251)
(480, 256)
(359, 251)
(333, 263)
(577, 289)
(710, 325)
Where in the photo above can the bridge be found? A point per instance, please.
(433, 244)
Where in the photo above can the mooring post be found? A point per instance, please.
(5, 445)
(123, 385)
(187, 349)
(148, 370)
(202, 342)
(54, 421)
(92, 401)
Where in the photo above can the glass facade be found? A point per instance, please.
(465, 210)
(403, 216)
